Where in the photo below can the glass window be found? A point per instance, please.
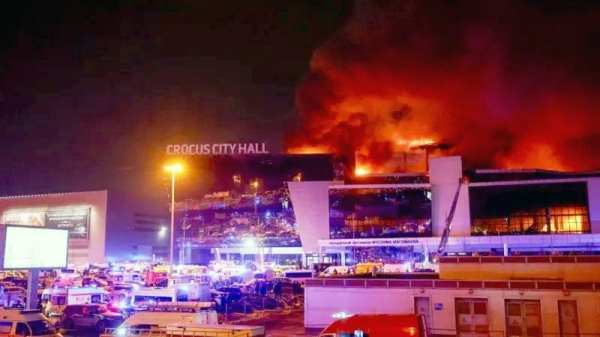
(22, 329)
(529, 209)
(5, 327)
(379, 213)
(463, 307)
(514, 309)
(59, 300)
(480, 308)
(41, 327)
(96, 298)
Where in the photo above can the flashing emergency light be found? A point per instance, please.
(122, 331)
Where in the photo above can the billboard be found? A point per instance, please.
(31, 247)
(74, 219)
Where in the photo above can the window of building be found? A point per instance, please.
(379, 213)
(529, 209)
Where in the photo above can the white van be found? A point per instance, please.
(335, 270)
(54, 300)
(150, 296)
(133, 278)
(162, 314)
(25, 323)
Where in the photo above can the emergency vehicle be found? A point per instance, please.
(156, 275)
(368, 267)
(161, 314)
(299, 275)
(150, 296)
(377, 325)
(335, 270)
(54, 300)
(192, 330)
(25, 323)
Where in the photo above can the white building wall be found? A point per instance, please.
(89, 251)
(593, 187)
(322, 302)
(444, 173)
(310, 200)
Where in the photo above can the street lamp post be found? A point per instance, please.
(255, 185)
(174, 169)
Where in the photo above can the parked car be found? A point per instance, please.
(89, 316)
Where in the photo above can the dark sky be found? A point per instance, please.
(502, 83)
(90, 86)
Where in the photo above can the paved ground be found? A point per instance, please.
(277, 324)
(287, 324)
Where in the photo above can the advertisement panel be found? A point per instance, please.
(74, 219)
(24, 218)
(28, 247)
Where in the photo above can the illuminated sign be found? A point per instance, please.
(34, 247)
(217, 149)
(372, 242)
(74, 219)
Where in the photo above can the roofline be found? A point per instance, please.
(50, 194)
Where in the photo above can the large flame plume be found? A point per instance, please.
(510, 84)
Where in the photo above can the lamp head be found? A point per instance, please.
(174, 168)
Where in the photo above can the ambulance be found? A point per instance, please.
(54, 300)
(25, 323)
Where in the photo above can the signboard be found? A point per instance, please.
(74, 219)
(28, 247)
(438, 306)
(217, 149)
(372, 242)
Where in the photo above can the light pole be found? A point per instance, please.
(174, 169)
(255, 185)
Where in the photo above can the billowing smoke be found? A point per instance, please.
(506, 83)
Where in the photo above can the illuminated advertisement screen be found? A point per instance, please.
(76, 220)
(35, 247)
(366, 213)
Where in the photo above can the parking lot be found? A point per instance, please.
(276, 323)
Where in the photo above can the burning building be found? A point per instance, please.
(507, 84)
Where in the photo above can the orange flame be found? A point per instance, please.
(402, 75)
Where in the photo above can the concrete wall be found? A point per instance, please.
(593, 186)
(564, 268)
(310, 200)
(444, 173)
(80, 252)
(322, 302)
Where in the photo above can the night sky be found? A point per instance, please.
(89, 88)
(92, 89)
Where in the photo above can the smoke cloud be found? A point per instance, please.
(508, 84)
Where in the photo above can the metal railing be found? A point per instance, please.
(218, 331)
(501, 333)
